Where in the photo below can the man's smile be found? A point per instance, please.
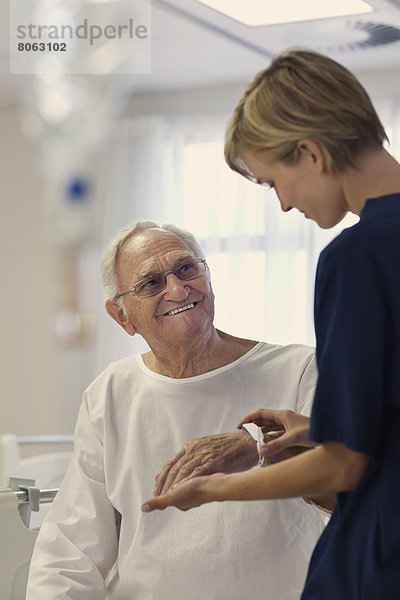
(181, 309)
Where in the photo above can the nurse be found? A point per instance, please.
(307, 128)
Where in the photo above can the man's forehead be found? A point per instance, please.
(143, 249)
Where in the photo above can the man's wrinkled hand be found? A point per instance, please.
(222, 453)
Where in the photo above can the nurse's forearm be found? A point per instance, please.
(326, 501)
(329, 468)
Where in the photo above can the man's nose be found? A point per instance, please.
(175, 289)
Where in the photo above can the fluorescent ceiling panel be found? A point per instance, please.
(272, 12)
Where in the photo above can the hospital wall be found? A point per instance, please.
(31, 397)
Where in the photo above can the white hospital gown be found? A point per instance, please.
(96, 542)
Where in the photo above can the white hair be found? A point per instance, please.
(109, 260)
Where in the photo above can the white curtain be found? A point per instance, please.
(262, 261)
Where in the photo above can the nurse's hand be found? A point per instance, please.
(189, 494)
(289, 428)
(222, 453)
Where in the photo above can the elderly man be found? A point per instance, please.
(195, 380)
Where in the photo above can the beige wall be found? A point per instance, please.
(37, 395)
(23, 302)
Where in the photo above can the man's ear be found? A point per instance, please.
(116, 312)
(312, 150)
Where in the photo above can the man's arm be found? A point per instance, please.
(221, 453)
(78, 541)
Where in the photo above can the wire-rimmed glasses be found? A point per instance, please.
(154, 284)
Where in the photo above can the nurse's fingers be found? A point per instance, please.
(294, 428)
(264, 417)
(184, 496)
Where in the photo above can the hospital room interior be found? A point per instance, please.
(86, 154)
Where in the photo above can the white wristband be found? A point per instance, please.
(256, 433)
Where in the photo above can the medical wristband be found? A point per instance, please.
(257, 435)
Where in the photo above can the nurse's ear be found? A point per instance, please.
(312, 151)
(120, 315)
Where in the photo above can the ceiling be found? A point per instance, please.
(194, 46)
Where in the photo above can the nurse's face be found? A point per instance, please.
(306, 185)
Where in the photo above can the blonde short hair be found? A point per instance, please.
(303, 95)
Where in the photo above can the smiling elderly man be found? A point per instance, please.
(195, 380)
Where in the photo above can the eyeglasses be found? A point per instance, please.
(154, 284)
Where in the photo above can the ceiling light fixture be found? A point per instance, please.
(255, 13)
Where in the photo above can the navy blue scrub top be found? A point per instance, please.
(357, 403)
